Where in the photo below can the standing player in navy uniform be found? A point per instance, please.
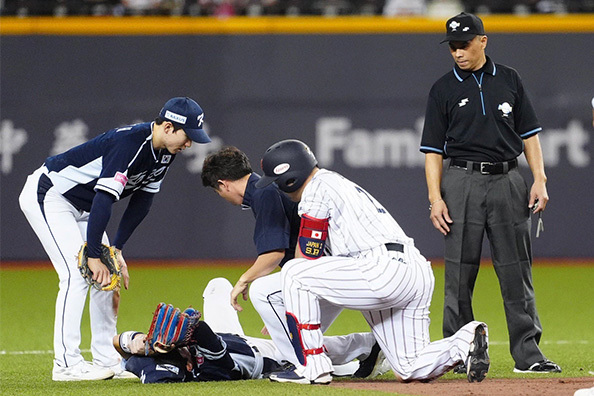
(230, 174)
(370, 265)
(68, 201)
(480, 116)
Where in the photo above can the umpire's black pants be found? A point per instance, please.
(497, 205)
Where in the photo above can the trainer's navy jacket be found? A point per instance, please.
(277, 221)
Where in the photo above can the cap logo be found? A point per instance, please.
(281, 168)
(466, 29)
(454, 25)
(200, 120)
(175, 117)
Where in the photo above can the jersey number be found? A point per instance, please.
(374, 203)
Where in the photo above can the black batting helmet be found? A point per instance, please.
(288, 163)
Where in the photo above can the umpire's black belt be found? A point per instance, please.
(395, 247)
(485, 168)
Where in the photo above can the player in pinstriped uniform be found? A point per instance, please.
(370, 266)
(229, 173)
(68, 201)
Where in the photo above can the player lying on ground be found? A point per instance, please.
(217, 349)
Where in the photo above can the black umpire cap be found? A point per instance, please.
(463, 27)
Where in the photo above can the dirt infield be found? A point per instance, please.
(489, 387)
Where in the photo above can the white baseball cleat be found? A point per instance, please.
(584, 392)
(120, 372)
(83, 371)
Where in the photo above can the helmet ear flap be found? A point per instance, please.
(291, 182)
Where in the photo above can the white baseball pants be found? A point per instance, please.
(221, 317)
(62, 228)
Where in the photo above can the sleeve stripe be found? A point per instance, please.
(432, 149)
(109, 190)
(150, 190)
(532, 132)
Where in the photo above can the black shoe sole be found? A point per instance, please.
(478, 359)
(366, 367)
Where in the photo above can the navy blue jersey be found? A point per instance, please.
(119, 162)
(277, 221)
(214, 357)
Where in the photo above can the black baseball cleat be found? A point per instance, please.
(292, 377)
(374, 365)
(544, 367)
(477, 365)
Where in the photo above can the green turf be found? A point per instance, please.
(564, 298)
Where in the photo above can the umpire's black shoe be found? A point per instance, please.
(374, 365)
(544, 367)
(477, 365)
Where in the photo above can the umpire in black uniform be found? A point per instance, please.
(479, 116)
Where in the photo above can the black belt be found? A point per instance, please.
(395, 247)
(486, 168)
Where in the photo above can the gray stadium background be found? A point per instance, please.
(358, 100)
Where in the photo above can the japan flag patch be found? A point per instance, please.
(316, 234)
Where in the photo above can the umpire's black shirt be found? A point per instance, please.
(479, 116)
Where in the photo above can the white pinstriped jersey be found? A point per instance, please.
(357, 222)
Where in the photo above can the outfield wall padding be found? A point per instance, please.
(357, 98)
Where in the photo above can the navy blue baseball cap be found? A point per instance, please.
(189, 115)
(463, 27)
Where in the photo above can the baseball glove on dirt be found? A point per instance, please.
(171, 328)
(108, 258)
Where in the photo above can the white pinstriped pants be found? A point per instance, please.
(393, 291)
(222, 318)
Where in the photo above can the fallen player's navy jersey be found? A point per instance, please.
(119, 161)
(170, 367)
(231, 359)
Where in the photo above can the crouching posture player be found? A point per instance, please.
(229, 173)
(370, 266)
(180, 347)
